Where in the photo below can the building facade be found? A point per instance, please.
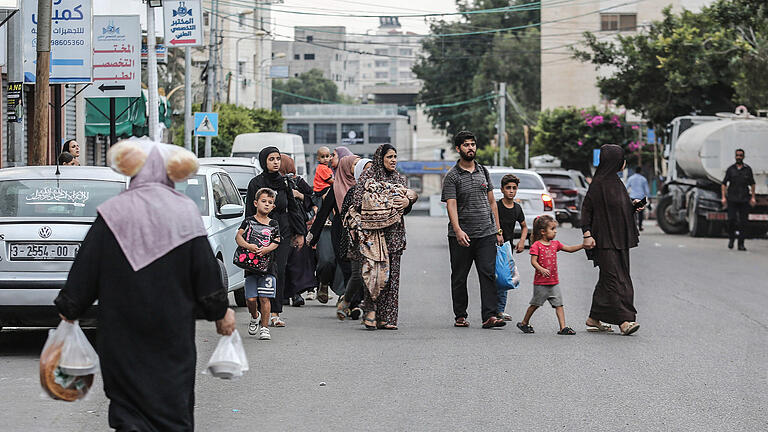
(566, 81)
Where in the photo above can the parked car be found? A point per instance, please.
(250, 144)
(568, 188)
(221, 208)
(240, 169)
(532, 194)
(44, 216)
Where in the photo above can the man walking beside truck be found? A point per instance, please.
(738, 195)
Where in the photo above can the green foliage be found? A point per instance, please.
(688, 62)
(572, 134)
(463, 67)
(233, 121)
(310, 84)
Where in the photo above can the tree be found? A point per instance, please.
(233, 121)
(310, 84)
(687, 63)
(458, 68)
(572, 134)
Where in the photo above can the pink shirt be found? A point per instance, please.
(548, 259)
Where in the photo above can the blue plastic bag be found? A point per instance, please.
(506, 274)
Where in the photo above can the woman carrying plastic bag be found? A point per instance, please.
(147, 261)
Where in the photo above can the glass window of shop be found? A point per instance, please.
(378, 133)
(301, 129)
(325, 133)
(352, 133)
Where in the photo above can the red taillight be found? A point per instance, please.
(549, 204)
(570, 192)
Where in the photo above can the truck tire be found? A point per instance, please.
(666, 225)
(697, 225)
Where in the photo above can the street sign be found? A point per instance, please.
(183, 23)
(206, 124)
(9, 4)
(116, 62)
(14, 108)
(595, 157)
(161, 52)
(651, 136)
(70, 41)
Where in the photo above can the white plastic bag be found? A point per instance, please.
(67, 363)
(228, 359)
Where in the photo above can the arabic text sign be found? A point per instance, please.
(183, 23)
(15, 108)
(116, 52)
(70, 40)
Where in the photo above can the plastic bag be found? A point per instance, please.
(228, 359)
(507, 276)
(68, 363)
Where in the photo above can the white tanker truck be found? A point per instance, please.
(699, 150)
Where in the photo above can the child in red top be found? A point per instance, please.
(545, 282)
(323, 172)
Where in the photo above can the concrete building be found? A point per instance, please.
(566, 81)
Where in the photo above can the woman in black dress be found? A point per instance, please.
(288, 215)
(608, 224)
(147, 261)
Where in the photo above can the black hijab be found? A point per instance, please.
(273, 180)
(613, 216)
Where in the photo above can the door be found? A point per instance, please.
(225, 192)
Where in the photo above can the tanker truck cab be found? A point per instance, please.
(699, 151)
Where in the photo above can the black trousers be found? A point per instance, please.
(639, 218)
(355, 284)
(738, 214)
(481, 251)
(281, 263)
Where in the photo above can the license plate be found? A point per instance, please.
(758, 217)
(43, 251)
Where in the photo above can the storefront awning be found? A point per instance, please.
(132, 122)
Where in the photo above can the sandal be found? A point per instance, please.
(566, 331)
(461, 322)
(598, 328)
(525, 328)
(372, 326)
(385, 326)
(276, 321)
(340, 311)
(630, 328)
(494, 322)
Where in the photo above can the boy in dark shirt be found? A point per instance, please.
(510, 213)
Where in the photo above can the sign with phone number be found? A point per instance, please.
(71, 26)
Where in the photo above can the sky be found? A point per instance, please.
(353, 24)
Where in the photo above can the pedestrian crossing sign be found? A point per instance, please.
(206, 124)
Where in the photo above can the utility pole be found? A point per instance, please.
(15, 74)
(152, 74)
(38, 148)
(188, 125)
(526, 133)
(502, 121)
(211, 68)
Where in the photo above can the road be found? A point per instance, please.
(697, 363)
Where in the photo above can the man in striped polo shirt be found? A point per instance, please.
(473, 231)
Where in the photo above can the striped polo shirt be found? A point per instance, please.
(470, 190)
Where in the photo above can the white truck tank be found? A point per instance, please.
(706, 150)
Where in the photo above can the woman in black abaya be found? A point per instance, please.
(147, 261)
(610, 231)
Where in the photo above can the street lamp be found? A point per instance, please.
(257, 33)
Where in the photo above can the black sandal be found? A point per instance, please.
(369, 320)
(566, 331)
(525, 328)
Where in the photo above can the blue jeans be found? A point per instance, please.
(502, 300)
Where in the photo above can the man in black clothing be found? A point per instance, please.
(738, 195)
(473, 231)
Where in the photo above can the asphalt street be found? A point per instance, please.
(698, 362)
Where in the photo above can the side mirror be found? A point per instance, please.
(230, 211)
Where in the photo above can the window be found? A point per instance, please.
(325, 133)
(197, 189)
(241, 20)
(241, 68)
(405, 74)
(382, 74)
(206, 18)
(310, 38)
(54, 198)
(415, 183)
(620, 22)
(301, 129)
(406, 63)
(309, 56)
(406, 51)
(297, 56)
(527, 181)
(352, 133)
(230, 190)
(378, 133)
(382, 63)
(382, 51)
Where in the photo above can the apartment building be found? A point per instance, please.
(566, 81)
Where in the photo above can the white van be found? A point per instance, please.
(249, 145)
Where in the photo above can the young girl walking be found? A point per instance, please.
(263, 238)
(546, 282)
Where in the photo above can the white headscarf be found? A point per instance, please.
(360, 167)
